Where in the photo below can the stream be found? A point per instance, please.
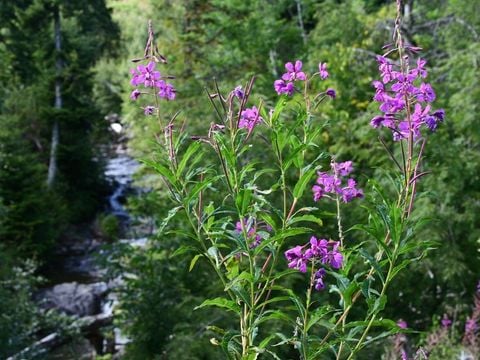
(76, 282)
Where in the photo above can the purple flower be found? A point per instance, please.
(135, 94)
(331, 92)
(402, 324)
(377, 121)
(249, 118)
(317, 252)
(343, 168)
(470, 326)
(426, 93)
(398, 88)
(439, 114)
(319, 275)
(295, 259)
(330, 183)
(282, 87)
(166, 90)
(446, 322)
(385, 69)
(251, 230)
(294, 72)
(145, 75)
(333, 257)
(420, 69)
(318, 248)
(317, 192)
(149, 110)
(322, 68)
(350, 191)
(238, 92)
(431, 122)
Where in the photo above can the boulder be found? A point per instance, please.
(74, 298)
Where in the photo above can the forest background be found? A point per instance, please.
(228, 40)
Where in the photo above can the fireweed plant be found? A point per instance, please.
(258, 222)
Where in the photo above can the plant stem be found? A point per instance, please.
(374, 315)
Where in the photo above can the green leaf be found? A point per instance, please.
(220, 302)
(303, 182)
(305, 218)
(200, 186)
(243, 276)
(374, 263)
(171, 214)
(378, 304)
(193, 262)
(191, 150)
(162, 170)
(182, 250)
(243, 200)
(281, 236)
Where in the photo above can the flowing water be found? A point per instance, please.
(77, 285)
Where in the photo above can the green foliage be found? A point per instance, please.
(19, 316)
(36, 215)
(109, 226)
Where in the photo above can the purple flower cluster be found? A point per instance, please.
(249, 118)
(446, 322)
(286, 85)
(150, 78)
(401, 90)
(250, 227)
(332, 183)
(317, 251)
(472, 323)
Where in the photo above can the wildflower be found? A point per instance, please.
(282, 87)
(446, 322)
(294, 72)
(135, 94)
(402, 324)
(145, 75)
(343, 168)
(333, 257)
(249, 118)
(166, 90)
(319, 275)
(238, 92)
(149, 110)
(322, 69)
(470, 326)
(251, 230)
(331, 93)
(332, 183)
(317, 192)
(316, 252)
(395, 89)
(318, 248)
(350, 192)
(285, 84)
(296, 259)
(439, 115)
(426, 93)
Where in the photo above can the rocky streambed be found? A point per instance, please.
(77, 284)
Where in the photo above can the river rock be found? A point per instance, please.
(74, 298)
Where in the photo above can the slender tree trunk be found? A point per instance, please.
(300, 21)
(52, 166)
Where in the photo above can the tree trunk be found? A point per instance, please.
(52, 166)
(300, 21)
